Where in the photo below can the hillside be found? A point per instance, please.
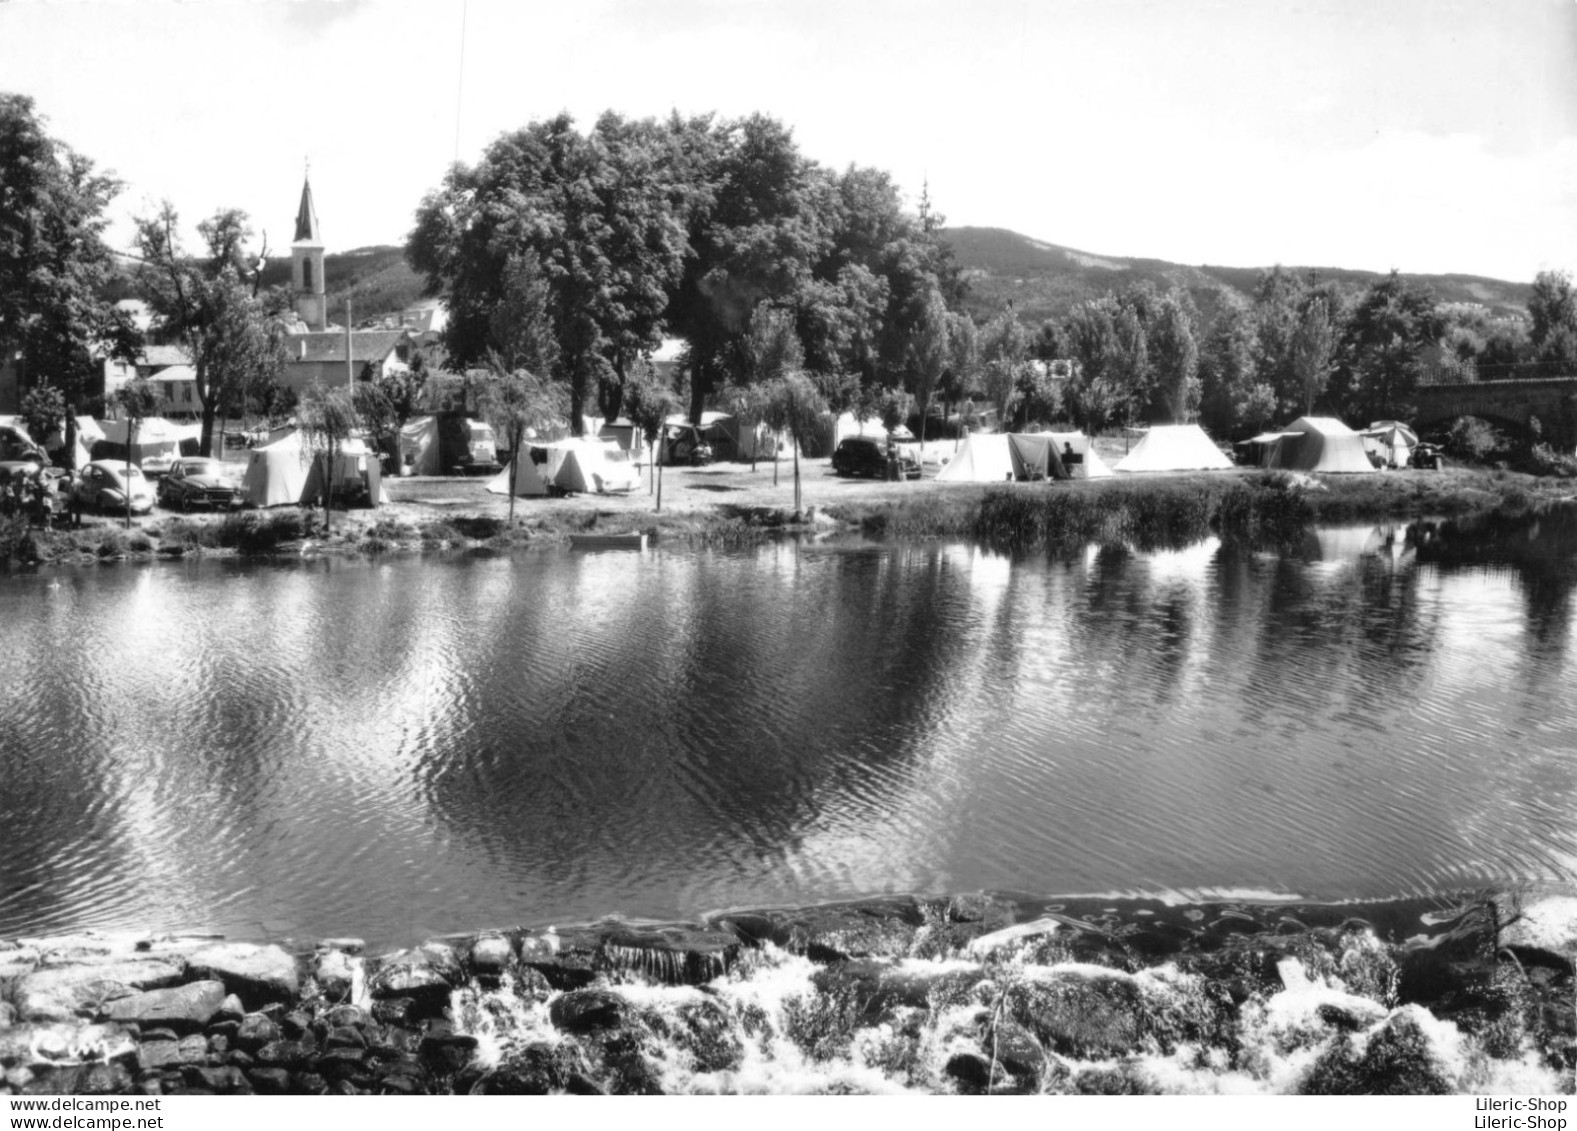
(1044, 280)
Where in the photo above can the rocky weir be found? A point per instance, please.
(978, 994)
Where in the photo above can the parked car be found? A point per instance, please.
(865, 455)
(16, 445)
(106, 485)
(198, 481)
(157, 465)
(1426, 457)
(683, 443)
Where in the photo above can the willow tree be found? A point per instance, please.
(795, 406)
(327, 417)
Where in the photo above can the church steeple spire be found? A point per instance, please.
(306, 255)
(307, 215)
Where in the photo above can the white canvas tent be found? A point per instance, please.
(276, 473)
(284, 473)
(1318, 443)
(579, 465)
(982, 458)
(156, 436)
(419, 442)
(355, 467)
(1174, 447)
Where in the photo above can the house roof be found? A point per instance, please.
(163, 356)
(328, 346)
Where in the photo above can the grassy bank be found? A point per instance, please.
(1262, 508)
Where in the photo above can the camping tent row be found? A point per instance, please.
(1174, 447)
(1312, 443)
(993, 457)
(284, 473)
(576, 465)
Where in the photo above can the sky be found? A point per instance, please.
(1430, 136)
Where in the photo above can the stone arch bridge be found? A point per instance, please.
(1552, 400)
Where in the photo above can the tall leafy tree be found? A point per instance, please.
(1313, 351)
(1174, 354)
(211, 305)
(603, 216)
(1552, 309)
(136, 402)
(1233, 400)
(54, 262)
(1386, 336)
(327, 418)
(518, 403)
(1004, 355)
(795, 406)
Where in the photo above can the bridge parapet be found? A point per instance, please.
(1552, 400)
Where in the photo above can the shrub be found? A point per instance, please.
(1474, 439)
(1545, 460)
(253, 533)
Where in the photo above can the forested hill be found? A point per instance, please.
(1044, 280)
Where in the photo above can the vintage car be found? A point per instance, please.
(865, 455)
(198, 481)
(110, 485)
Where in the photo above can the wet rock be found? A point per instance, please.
(629, 1071)
(345, 1036)
(62, 993)
(181, 1008)
(1398, 1060)
(707, 1035)
(587, 1011)
(567, 959)
(341, 1063)
(1078, 1014)
(348, 945)
(310, 1084)
(425, 975)
(1544, 933)
(874, 928)
(970, 1072)
(1125, 1081)
(85, 1080)
(1015, 1051)
(285, 1054)
(346, 1016)
(396, 1011)
(490, 956)
(269, 1081)
(221, 1081)
(539, 1069)
(172, 1054)
(335, 972)
(296, 1024)
(256, 1030)
(671, 955)
(17, 1078)
(7, 1015)
(230, 1009)
(256, 974)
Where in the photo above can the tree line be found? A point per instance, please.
(567, 255)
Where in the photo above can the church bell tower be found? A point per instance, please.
(306, 265)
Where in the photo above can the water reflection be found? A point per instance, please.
(410, 747)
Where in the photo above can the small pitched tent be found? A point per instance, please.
(1174, 447)
(579, 465)
(1318, 443)
(982, 458)
(276, 473)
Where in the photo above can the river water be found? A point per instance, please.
(404, 747)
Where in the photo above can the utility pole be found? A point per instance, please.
(350, 368)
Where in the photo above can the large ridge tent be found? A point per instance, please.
(579, 465)
(156, 436)
(284, 473)
(1318, 443)
(1035, 456)
(276, 473)
(356, 471)
(1174, 447)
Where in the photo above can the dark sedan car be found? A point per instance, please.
(863, 455)
(197, 481)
